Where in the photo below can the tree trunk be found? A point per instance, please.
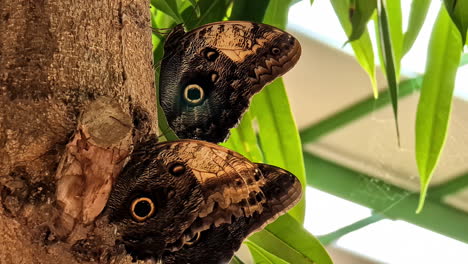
(76, 92)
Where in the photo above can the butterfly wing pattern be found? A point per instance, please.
(208, 75)
(191, 201)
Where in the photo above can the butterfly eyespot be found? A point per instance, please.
(210, 54)
(142, 208)
(275, 51)
(194, 94)
(193, 240)
(176, 169)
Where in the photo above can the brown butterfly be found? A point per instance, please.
(209, 74)
(191, 201)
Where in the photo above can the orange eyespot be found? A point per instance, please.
(142, 208)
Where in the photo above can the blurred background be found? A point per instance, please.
(367, 214)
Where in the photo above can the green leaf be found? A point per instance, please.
(249, 10)
(211, 11)
(195, 7)
(394, 22)
(169, 7)
(360, 12)
(458, 11)
(262, 256)
(278, 135)
(288, 240)
(394, 18)
(236, 260)
(243, 139)
(435, 101)
(311, 2)
(417, 17)
(167, 132)
(389, 59)
(362, 47)
(276, 13)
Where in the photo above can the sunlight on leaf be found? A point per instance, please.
(362, 47)
(458, 11)
(417, 17)
(389, 59)
(435, 101)
(288, 240)
(359, 14)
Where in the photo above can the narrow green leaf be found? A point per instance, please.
(160, 20)
(262, 256)
(279, 138)
(169, 7)
(288, 240)
(243, 139)
(311, 2)
(417, 17)
(389, 59)
(195, 7)
(360, 12)
(395, 27)
(164, 127)
(458, 11)
(435, 101)
(362, 47)
(394, 22)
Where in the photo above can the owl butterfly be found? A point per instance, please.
(191, 201)
(208, 75)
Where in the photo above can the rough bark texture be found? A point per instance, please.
(56, 58)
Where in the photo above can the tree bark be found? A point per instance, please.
(75, 76)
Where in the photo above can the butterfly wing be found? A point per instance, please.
(207, 200)
(208, 75)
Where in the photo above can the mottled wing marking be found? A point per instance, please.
(227, 180)
(235, 39)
